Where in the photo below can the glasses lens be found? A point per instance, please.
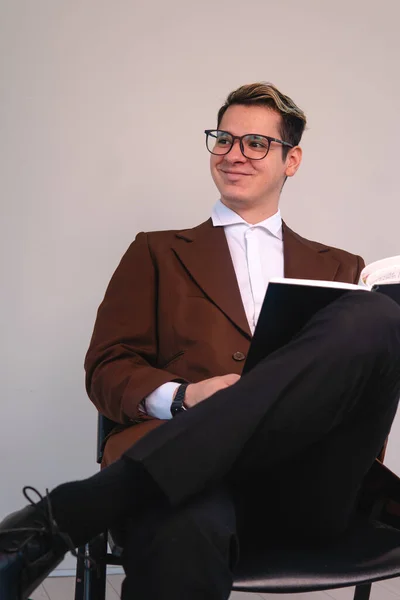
(219, 142)
(255, 146)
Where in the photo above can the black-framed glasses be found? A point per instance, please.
(252, 145)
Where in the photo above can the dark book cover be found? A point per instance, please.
(288, 306)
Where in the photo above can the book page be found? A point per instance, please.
(320, 283)
(384, 270)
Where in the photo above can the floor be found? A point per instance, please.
(62, 588)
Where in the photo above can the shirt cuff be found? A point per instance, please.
(158, 403)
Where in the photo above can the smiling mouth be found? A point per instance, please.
(234, 173)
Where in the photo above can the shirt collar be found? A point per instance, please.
(222, 216)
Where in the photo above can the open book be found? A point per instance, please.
(290, 303)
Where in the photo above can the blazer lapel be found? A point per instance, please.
(204, 253)
(305, 261)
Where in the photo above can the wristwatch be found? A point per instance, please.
(177, 405)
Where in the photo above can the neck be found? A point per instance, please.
(252, 214)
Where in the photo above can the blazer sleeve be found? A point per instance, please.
(121, 361)
(359, 268)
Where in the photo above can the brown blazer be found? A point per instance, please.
(173, 312)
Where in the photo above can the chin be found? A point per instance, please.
(234, 194)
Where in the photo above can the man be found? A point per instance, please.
(290, 443)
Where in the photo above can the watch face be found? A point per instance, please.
(176, 408)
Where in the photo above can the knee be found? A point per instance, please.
(380, 308)
(372, 320)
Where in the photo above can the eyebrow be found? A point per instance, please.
(247, 133)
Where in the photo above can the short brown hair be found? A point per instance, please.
(293, 119)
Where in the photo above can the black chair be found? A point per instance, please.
(368, 553)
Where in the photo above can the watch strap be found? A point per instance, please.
(177, 405)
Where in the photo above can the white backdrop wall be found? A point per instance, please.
(86, 88)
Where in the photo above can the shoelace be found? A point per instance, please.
(52, 528)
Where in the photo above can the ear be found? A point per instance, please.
(293, 161)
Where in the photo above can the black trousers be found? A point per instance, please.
(289, 444)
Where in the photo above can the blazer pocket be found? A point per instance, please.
(173, 359)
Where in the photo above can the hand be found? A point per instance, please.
(197, 392)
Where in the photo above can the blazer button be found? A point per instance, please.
(238, 356)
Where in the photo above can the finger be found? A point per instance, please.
(231, 378)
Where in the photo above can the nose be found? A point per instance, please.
(235, 153)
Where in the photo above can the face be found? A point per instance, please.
(245, 183)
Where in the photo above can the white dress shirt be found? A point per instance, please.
(257, 256)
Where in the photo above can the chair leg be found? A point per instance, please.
(362, 592)
(80, 575)
(95, 576)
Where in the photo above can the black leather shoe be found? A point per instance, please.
(31, 546)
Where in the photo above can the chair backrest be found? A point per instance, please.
(104, 427)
